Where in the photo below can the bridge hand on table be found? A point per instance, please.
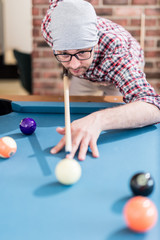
(84, 132)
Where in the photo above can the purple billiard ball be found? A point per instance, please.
(27, 126)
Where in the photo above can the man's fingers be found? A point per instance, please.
(80, 140)
(60, 130)
(75, 145)
(84, 144)
(83, 148)
(58, 147)
(94, 149)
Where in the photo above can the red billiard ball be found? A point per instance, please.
(8, 147)
(140, 214)
(27, 126)
(142, 184)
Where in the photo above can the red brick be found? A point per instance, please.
(127, 11)
(134, 33)
(45, 65)
(103, 11)
(36, 74)
(153, 75)
(42, 44)
(148, 65)
(35, 11)
(135, 22)
(149, 43)
(153, 32)
(144, 2)
(35, 54)
(40, 2)
(148, 22)
(122, 22)
(94, 2)
(45, 84)
(52, 74)
(48, 87)
(152, 53)
(47, 54)
(44, 11)
(152, 12)
(36, 32)
(158, 65)
(37, 22)
(115, 2)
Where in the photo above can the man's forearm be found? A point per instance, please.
(132, 115)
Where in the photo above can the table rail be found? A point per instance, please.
(41, 98)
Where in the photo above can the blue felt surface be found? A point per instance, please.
(35, 206)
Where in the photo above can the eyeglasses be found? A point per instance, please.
(66, 57)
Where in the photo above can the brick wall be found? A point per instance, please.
(46, 70)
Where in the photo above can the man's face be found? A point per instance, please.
(75, 66)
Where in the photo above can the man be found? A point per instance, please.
(97, 50)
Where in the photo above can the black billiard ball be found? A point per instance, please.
(142, 184)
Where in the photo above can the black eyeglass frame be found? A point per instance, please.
(73, 55)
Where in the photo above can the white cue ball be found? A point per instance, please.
(68, 171)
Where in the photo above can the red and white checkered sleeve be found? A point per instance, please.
(120, 68)
(131, 80)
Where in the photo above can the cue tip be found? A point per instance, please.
(68, 152)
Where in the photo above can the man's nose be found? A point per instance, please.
(74, 63)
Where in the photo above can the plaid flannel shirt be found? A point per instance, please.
(117, 59)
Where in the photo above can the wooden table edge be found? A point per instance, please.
(41, 98)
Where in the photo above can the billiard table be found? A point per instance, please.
(34, 206)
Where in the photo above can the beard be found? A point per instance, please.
(78, 71)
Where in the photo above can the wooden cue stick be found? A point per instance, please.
(142, 37)
(68, 145)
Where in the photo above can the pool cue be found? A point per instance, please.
(142, 34)
(68, 144)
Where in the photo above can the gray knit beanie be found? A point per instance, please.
(73, 25)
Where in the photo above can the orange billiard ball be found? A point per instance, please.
(140, 214)
(8, 147)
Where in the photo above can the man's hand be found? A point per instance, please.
(84, 132)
